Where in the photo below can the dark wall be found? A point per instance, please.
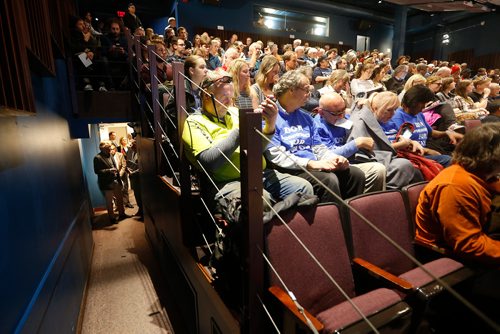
(42, 211)
(477, 32)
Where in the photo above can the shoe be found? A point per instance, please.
(122, 217)
(88, 88)
(129, 205)
(103, 89)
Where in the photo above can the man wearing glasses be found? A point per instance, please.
(333, 129)
(211, 141)
(295, 148)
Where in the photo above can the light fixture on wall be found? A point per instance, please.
(446, 39)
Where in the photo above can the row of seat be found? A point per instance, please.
(350, 252)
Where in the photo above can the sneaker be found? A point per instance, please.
(88, 87)
(103, 89)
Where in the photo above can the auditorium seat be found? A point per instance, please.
(386, 210)
(320, 230)
(423, 251)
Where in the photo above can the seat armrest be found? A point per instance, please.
(432, 247)
(288, 303)
(380, 273)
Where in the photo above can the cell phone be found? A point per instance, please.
(406, 134)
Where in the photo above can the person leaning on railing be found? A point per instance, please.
(211, 141)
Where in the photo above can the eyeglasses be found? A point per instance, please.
(336, 114)
(225, 79)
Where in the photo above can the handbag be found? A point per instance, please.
(429, 168)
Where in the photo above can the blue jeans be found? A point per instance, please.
(443, 159)
(276, 186)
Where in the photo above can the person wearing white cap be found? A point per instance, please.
(172, 24)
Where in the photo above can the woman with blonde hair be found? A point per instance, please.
(266, 77)
(240, 72)
(434, 83)
(416, 79)
(367, 118)
(338, 82)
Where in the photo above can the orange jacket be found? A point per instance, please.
(452, 211)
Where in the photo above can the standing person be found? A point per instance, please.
(112, 138)
(294, 146)
(131, 20)
(121, 165)
(109, 181)
(134, 175)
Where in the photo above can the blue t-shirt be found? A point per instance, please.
(420, 133)
(295, 132)
(334, 137)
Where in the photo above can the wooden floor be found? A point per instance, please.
(126, 292)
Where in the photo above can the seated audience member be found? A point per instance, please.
(413, 102)
(466, 108)
(183, 34)
(288, 62)
(367, 119)
(214, 60)
(416, 79)
(338, 82)
(240, 73)
(396, 82)
(178, 46)
(362, 85)
(84, 47)
(494, 110)
(378, 75)
(332, 129)
(195, 69)
(254, 57)
(321, 72)
(294, 147)
(494, 92)
(266, 77)
(480, 91)
(231, 54)
(445, 93)
(216, 129)
(163, 73)
(454, 208)
(115, 48)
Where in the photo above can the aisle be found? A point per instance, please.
(121, 297)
